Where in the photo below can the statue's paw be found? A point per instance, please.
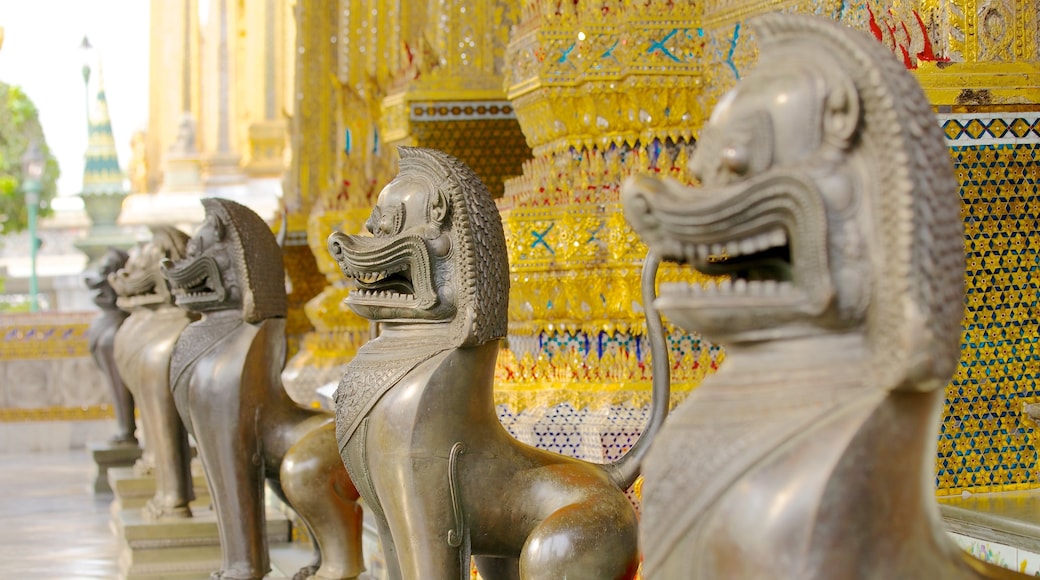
(153, 510)
(142, 468)
(306, 573)
(220, 575)
(123, 441)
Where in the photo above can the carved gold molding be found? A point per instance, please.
(93, 413)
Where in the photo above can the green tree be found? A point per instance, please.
(19, 126)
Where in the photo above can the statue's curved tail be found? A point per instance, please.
(627, 468)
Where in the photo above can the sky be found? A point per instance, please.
(41, 54)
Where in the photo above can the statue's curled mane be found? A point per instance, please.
(262, 280)
(481, 267)
(917, 306)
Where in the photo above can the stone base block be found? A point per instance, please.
(106, 457)
(132, 491)
(179, 549)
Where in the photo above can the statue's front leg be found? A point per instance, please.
(173, 459)
(355, 459)
(226, 437)
(167, 441)
(122, 400)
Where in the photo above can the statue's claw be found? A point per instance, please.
(306, 573)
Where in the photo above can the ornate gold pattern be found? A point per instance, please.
(594, 85)
(93, 413)
(406, 74)
(28, 337)
(600, 73)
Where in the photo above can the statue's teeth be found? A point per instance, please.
(673, 248)
(717, 250)
(733, 249)
(778, 237)
(740, 286)
(702, 251)
(748, 246)
(725, 285)
(689, 253)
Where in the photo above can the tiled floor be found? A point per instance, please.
(51, 525)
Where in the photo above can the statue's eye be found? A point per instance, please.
(735, 159)
(372, 225)
(386, 223)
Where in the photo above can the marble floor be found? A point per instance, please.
(52, 527)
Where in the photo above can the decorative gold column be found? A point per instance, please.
(174, 82)
(405, 74)
(339, 161)
(262, 27)
(602, 91)
(310, 182)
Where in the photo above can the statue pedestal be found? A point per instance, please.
(178, 549)
(108, 457)
(132, 491)
(1000, 528)
(183, 173)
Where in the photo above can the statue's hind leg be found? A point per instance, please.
(318, 488)
(600, 533)
(275, 486)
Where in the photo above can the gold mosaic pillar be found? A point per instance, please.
(312, 180)
(602, 91)
(405, 74)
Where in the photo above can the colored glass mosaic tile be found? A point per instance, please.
(983, 443)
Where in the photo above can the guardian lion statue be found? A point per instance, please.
(143, 348)
(828, 198)
(415, 414)
(101, 338)
(226, 381)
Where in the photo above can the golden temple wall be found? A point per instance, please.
(185, 73)
(606, 89)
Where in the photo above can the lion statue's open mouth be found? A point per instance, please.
(195, 282)
(387, 273)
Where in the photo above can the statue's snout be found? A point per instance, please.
(635, 202)
(336, 246)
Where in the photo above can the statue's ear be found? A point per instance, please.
(438, 207)
(218, 229)
(841, 112)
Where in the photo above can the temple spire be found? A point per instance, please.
(101, 172)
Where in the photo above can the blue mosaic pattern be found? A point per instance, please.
(983, 444)
(991, 129)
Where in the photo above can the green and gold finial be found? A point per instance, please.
(101, 172)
